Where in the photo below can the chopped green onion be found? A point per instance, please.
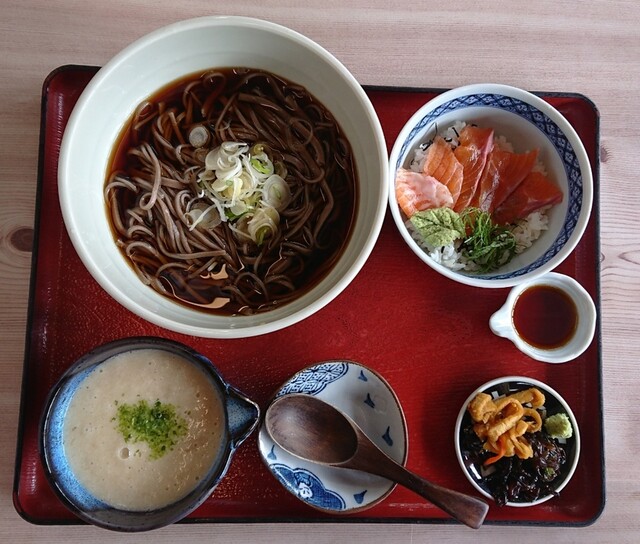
(259, 166)
(261, 234)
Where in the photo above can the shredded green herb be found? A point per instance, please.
(488, 245)
(158, 425)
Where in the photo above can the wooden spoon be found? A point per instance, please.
(309, 428)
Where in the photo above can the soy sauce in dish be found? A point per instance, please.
(545, 316)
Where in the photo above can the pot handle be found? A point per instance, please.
(243, 415)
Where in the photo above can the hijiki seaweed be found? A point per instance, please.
(511, 479)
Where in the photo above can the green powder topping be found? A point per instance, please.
(158, 425)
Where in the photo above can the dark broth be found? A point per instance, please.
(545, 316)
(312, 264)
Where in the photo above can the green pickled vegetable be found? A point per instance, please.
(438, 226)
(558, 426)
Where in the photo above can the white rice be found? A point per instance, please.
(526, 231)
(448, 256)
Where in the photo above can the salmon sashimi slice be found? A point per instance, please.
(475, 146)
(441, 163)
(516, 168)
(502, 174)
(535, 192)
(416, 192)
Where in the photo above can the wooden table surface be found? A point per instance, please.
(591, 48)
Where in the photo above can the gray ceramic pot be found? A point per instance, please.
(240, 418)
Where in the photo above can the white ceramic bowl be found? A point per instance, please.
(501, 322)
(554, 403)
(169, 54)
(527, 122)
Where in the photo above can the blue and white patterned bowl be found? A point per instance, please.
(369, 400)
(527, 122)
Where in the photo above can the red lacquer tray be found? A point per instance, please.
(427, 335)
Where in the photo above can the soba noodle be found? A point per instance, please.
(224, 253)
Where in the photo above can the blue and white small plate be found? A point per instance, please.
(369, 400)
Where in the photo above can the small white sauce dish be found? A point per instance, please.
(502, 321)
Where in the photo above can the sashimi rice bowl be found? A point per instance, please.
(491, 185)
